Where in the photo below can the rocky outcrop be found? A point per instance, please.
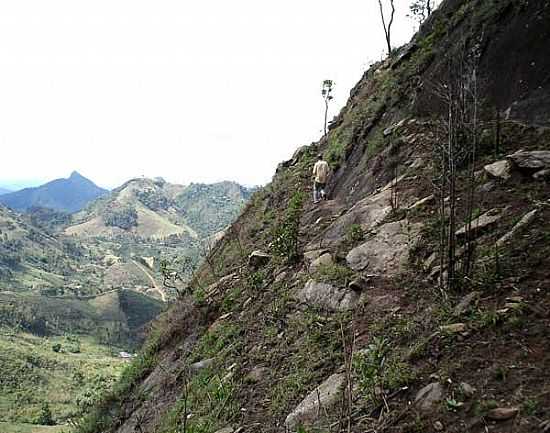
(499, 169)
(532, 161)
(321, 399)
(324, 260)
(388, 251)
(488, 219)
(327, 296)
(525, 220)
(368, 213)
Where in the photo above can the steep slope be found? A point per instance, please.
(341, 324)
(69, 195)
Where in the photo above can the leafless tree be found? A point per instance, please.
(387, 24)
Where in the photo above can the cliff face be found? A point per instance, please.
(393, 306)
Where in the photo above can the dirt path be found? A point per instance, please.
(156, 287)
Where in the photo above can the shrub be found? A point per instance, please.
(285, 242)
(354, 234)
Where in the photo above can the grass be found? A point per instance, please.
(34, 373)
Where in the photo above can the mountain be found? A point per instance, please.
(153, 208)
(4, 191)
(413, 300)
(68, 195)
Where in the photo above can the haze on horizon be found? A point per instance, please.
(197, 92)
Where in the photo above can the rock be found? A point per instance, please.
(526, 219)
(258, 258)
(312, 255)
(454, 328)
(428, 263)
(324, 260)
(201, 365)
(392, 183)
(327, 296)
(467, 389)
(280, 277)
(358, 284)
(256, 375)
(542, 174)
(225, 430)
(214, 288)
(544, 426)
(417, 163)
(465, 302)
(487, 187)
(500, 169)
(429, 396)
(534, 160)
(321, 399)
(502, 413)
(483, 222)
(422, 202)
(388, 251)
(367, 213)
(438, 426)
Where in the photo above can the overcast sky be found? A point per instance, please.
(194, 91)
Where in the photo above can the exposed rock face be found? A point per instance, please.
(482, 222)
(499, 169)
(534, 160)
(368, 213)
(388, 251)
(327, 296)
(429, 396)
(322, 398)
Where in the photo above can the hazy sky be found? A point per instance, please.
(188, 90)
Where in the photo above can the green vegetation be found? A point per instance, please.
(42, 386)
(285, 234)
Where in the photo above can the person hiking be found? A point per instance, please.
(321, 171)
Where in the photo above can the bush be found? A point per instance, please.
(56, 347)
(285, 234)
(45, 417)
(122, 217)
(355, 234)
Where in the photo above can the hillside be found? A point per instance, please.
(153, 208)
(4, 191)
(68, 195)
(413, 300)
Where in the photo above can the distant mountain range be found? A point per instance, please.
(4, 191)
(67, 195)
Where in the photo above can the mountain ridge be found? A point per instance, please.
(68, 195)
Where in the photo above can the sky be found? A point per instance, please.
(193, 91)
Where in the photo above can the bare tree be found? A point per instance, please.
(387, 26)
(421, 10)
(326, 92)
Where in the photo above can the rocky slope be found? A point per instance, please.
(411, 300)
(67, 195)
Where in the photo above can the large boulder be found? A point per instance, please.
(533, 160)
(327, 296)
(321, 399)
(388, 251)
(499, 169)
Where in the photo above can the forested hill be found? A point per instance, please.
(416, 298)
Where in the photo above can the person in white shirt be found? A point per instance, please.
(321, 172)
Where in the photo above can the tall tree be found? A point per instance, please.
(326, 92)
(387, 25)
